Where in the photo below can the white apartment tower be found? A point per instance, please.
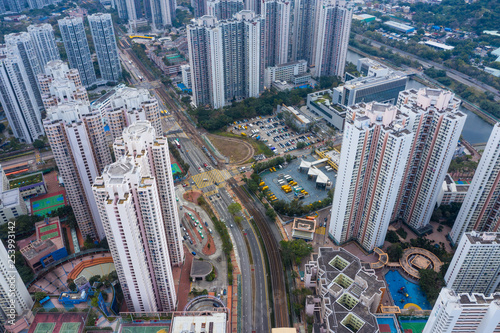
(22, 42)
(306, 29)
(141, 137)
(333, 25)
(224, 9)
(77, 48)
(226, 58)
(480, 210)
(375, 151)
(129, 105)
(44, 41)
(475, 267)
(103, 35)
(253, 5)
(471, 313)
(15, 299)
(434, 118)
(277, 32)
(199, 7)
(129, 204)
(59, 84)
(18, 96)
(162, 13)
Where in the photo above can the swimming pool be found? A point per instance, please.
(388, 325)
(404, 292)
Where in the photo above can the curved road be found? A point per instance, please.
(452, 73)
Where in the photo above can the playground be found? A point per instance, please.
(175, 168)
(45, 204)
(406, 294)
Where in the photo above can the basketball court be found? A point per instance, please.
(47, 203)
(58, 323)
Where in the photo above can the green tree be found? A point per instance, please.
(301, 145)
(431, 283)
(295, 250)
(234, 208)
(395, 252)
(271, 213)
(39, 295)
(392, 236)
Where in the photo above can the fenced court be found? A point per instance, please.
(45, 327)
(144, 328)
(47, 203)
(69, 328)
(175, 168)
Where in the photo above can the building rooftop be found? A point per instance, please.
(483, 237)
(352, 291)
(200, 268)
(211, 322)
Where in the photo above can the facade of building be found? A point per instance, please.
(434, 118)
(384, 89)
(451, 192)
(141, 137)
(277, 31)
(77, 48)
(18, 96)
(480, 208)
(457, 312)
(199, 8)
(129, 205)
(59, 85)
(375, 150)
(77, 139)
(162, 13)
(15, 299)
(224, 9)
(226, 58)
(321, 104)
(11, 201)
(306, 29)
(186, 76)
(22, 42)
(103, 35)
(44, 41)
(347, 294)
(332, 37)
(475, 267)
(284, 72)
(129, 105)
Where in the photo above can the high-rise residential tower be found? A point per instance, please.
(77, 48)
(437, 123)
(475, 267)
(224, 9)
(44, 41)
(162, 13)
(199, 8)
(129, 200)
(137, 139)
(129, 105)
(277, 31)
(462, 312)
(253, 5)
(306, 29)
(18, 96)
(375, 151)
(480, 210)
(15, 299)
(76, 136)
(333, 25)
(103, 35)
(226, 58)
(59, 84)
(26, 50)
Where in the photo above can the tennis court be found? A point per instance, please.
(49, 236)
(45, 327)
(144, 329)
(48, 228)
(416, 325)
(47, 203)
(69, 328)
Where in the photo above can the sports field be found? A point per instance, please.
(47, 203)
(416, 325)
(137, 328)
(69, 328)
(45, 327)
(50, 235)
(176, 168)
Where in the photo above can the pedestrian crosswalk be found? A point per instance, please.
(212, 177)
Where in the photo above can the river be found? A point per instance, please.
(475, 131)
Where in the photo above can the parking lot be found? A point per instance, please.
(271, 179)
(273, 132)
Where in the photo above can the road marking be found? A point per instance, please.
(208, 178)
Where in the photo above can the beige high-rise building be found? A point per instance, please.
(434, 118)
(60, 84)
(77, 139)
(137, 205)
(129, 105)
(137, 140)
